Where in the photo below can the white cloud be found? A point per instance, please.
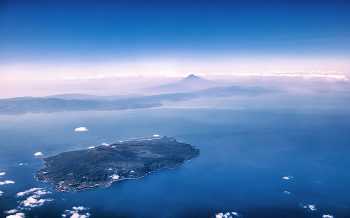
(77, 212)
(17, 215)
(80, 129)
(287, 177)
(286, 192)
(79, 208)
(2, 173)
(172, 74)
(38, 153)
(310, 207)
(91, 147)
(105, 144)
(294, 74)
(1, 192)
(155, 135)
(19, 194)
(11, 211)
(33, 201)
(30, 202)
(227, 215)
(22, 164)
(114, 176)
(7, 182)
(327, 216)
(168, 74)
(36, 191)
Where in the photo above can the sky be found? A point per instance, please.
(72, 40)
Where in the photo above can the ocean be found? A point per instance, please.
(252, 163)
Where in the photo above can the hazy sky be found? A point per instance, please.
(79, 39)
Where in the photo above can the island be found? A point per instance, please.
(102, 165)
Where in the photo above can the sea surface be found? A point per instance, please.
(252, 164)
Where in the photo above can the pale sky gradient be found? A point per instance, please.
(104, 47)
(113, 78)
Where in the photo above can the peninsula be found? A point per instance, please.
(102, 165)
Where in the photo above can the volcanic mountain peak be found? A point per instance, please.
(193, 76)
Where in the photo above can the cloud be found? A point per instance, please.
(286, 192)
(327, 216)
(19, 194)
(80, 129)
(227, 215)
(22, 164)
(310, 207)
(1, 192)
(2, 173)
(287, 177)
(11, 211)
(91, 147)
(155, 135)
(77, 212)
(114, 176)
(167, 74)
(33, 201)
(302, 74)
(17, 215)
(7, 182)
(105, 144)
(38, 153)
(172, 74)
(30, 202)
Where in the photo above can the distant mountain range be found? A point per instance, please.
(82, 102)
(188, 84)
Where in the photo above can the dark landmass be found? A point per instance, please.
(22, 105)
(78, 96)
(82, 102)
(50, 105)
(102, 165)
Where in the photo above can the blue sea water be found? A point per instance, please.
(258, 163)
